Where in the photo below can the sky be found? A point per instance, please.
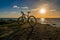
(12, 8)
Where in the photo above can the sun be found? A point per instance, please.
(42, 11)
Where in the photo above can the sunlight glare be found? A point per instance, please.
(42, 11)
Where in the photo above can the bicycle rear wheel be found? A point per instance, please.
(21, 20)
(32, 21)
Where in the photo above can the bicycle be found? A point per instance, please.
(26, 18)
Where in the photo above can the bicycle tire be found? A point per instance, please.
(29, 21)
(21, 20)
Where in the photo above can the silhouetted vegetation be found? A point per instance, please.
(2, 22)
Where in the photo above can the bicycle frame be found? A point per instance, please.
(24, 14)
(27, 18)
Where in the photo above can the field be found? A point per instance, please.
(10, 30)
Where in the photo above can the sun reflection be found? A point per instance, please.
(42, 20)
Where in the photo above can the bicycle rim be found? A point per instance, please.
(32, 21)
(20, 20)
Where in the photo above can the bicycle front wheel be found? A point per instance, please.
(32, 21)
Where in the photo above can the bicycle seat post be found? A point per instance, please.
(28, 13)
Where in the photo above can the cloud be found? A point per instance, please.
(25, 7)
(15, 6)
(53, 10)
(22, 8)
(34, 9)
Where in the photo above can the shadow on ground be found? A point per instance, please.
(23, 32)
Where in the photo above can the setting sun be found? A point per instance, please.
(42, 11)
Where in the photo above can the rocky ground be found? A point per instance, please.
(23, 32)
